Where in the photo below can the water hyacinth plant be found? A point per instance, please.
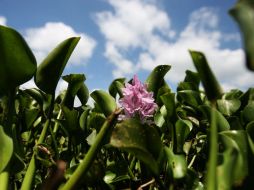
(155, 139)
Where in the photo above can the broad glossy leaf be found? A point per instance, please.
(168, 100)
(51, 68)
(250, 130)
(115, 87)
(156, 79)
(187, 86)
(189, 97)
(138, 139)
(221, 122)
(228, 107)
(176, 163)
(105, 102)
(71, 118)
(237, 139)
(6, 149)
(17, 62)
(208, 79)
(248, 113)
(75, 82)
(225, 171)
(96, 120)
(83, 94)
(192, 77)
(183, 128)
(243, 13)
(83, 119)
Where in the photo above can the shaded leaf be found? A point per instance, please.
(209, 81)
(17, 63)
(243, 13)
(133, 137)
(75, 82)
(156, 79)
(221, 122)
(116, 86)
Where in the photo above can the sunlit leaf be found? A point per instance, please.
(177, 164)
(51, 68)
(6, 149)
(105, 102)
(228, 107)
(115, 87)
(17, 62)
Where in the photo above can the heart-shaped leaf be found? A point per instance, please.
(140, 140)
(51, 68)
(17, 62)
(228, 107)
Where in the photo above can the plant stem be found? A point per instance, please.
(30, 173)
(29, 176)
(211, 178)
(92, 152)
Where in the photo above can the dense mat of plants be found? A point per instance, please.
(135, 136)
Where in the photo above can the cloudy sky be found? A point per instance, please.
(126, 37)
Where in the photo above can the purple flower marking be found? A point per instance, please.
(137, 101)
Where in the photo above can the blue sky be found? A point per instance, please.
(127, 37)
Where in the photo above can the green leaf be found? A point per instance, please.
(192, 77)
(140, 140)
(71, 118)
(116, 86)
(183, 128)
(228, 107)
(189, 97)
(51, 68)
(221, 122)
(176, 163)
(248, 113)
(243, 13)
(209, 81)
(168, 100)
(83, 94)
(105, 102)
(6, 149)
(17, 62)
(75, 82)
(156, 79)
(225, 171)
(237, 139)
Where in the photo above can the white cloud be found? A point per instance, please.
(43, 39)
(142, 27)
(3, 21)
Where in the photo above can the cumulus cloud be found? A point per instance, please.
(43, 39)
(140, 26)
(3, 20)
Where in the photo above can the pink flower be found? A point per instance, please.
(137, 101)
